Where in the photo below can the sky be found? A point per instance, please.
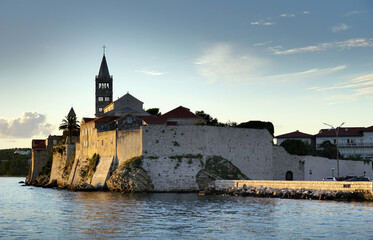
(297, 64)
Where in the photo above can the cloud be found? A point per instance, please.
(223, 62)
(352, 13)
(314, 72)
(287, 15)
(30, 124)
(262, 22)
(359, 87)
(261, 43)
(151, 73)
(306, 12)
(348, 44)
(340, 27)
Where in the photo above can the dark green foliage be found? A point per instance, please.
(356, 157)
(12, 164)
(298, 147)
(258, 125)
(135, 162)
(176, 144)
(93, 162)
(190, 156)
(59, 149)
(223, 168)
(154, 111)
(328, 150)
(70, 126)
(210, 121)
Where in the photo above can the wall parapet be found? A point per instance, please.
(310, 185)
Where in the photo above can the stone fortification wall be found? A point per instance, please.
(311, 185)
(61, 159)
(312, 168)
(39, 157)
(171, 153)
(173, 174)
(129, 145)
(283, 162)
(322, 167)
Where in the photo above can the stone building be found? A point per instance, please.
(41, 150)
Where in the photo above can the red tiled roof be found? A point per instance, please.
(179, 112)
(295, 134)
(38, 143)
(152, 119)
(343, 132)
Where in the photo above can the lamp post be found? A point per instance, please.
(336, 134)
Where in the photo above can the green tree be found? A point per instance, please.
(154, 111)
(70, 125)
(329, 150)
(258, 125)
(209, 120)
(297, 147)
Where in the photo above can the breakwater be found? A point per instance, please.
(357, 191)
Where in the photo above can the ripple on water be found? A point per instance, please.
(37, 213)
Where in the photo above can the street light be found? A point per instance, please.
(336, 133)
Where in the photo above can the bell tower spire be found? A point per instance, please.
(104, 87)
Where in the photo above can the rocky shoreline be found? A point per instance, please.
(266, 192)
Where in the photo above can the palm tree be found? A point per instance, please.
(71, 125)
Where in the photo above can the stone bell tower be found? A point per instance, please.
(104, 87)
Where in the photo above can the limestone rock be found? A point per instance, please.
(41, 181)
(217, 168)
(130, 180)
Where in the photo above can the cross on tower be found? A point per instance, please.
(104, 47)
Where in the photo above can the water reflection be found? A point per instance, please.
(36, 213)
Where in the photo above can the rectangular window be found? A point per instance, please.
(100, 99)
(100, 109)
(107, 99)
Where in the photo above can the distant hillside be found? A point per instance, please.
(14, 162)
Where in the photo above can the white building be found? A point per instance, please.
(351, 141)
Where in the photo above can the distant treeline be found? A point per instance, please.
(14, 164)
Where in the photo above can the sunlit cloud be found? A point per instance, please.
(151, 73)
(306, 12)
(314, 72)
(261, 43)
(340, 27)
(262, 22)
(359, 87)
(30, 124)
(348, 44)
(287, 15)
(222, 62)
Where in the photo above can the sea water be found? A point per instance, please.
(36, 213)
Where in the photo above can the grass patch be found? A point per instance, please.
(135, 162)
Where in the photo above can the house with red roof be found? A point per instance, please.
(296, 135)
(352, 141)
